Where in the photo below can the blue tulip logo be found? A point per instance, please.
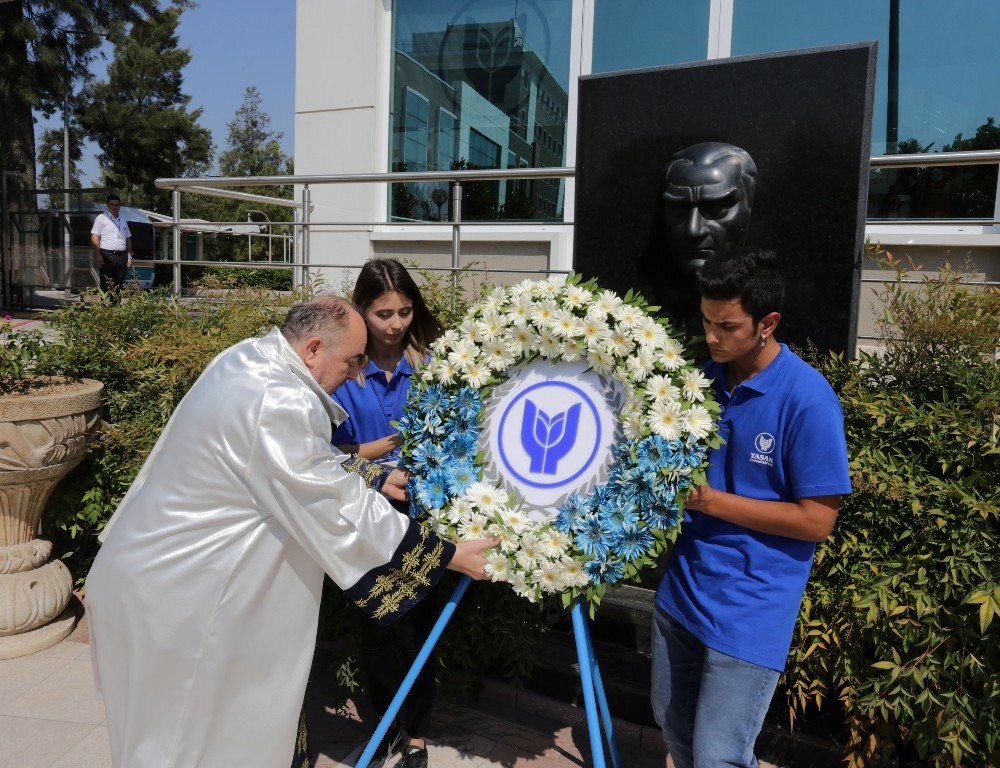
(547, 439)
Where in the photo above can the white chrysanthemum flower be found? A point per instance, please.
(459, 510)
(661, 388)
(594, 331)
(498, 354)
(565, 323)
(509, 540)
(525, 561)
(547, 288)
(549, 345)
(572, 573)
(633, 428)
(698, 421)
(520, 289)
(521, 587)
(487, 498)
(640, 364)
(559, 539)
(531, 546)
(548, 576)
(619, 342)
(444, 371)
(462, 353)
(444, 343)
(694, 383)
(515, 519)
(573, 350)
(575, 297)
(665, 420)
(608, 302)
(543, 313)
(470, 331)
(491, 325)
(601, 361)
(497, 566)
(671, 359)
(523, 341)
(519, 314)
(649, 333)
(473, 527)
(628, 315)
(493, 300)
(476, 373)
(550, 548)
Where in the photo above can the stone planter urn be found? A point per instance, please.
(43, 434)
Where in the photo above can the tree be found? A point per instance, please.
(50, 158)
(46, 47)
(140, 117)
(253, 148)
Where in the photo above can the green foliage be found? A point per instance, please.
(897, 624)
(243, 277)
(140, 117)
(50, 161)
(45, 47)
(147, 350)
(252, 149)
(18, 357)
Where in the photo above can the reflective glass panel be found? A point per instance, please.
(629, 34)
(946, 97)
(479, 84)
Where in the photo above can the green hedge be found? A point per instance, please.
(897, 624)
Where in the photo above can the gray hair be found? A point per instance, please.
(324, 316)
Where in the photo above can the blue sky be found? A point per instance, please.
(232, 45)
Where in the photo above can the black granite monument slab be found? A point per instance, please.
(804, 117)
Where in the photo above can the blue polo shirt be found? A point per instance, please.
(372, 407)
(737, 590)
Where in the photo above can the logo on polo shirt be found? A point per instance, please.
(764, 443)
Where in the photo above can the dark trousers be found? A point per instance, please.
(113, 269)
(386, 656)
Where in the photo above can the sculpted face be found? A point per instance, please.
(707, 197)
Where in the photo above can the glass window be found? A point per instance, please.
(945, 97)
(415, 133)
(629, 34)
(494, 76)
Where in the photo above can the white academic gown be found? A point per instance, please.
(204, 599)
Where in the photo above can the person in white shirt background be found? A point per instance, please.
(112, 243)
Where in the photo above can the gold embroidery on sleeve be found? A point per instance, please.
(369, 470)
(399, 584)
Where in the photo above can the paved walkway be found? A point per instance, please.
(50, 718)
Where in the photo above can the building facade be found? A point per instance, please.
(393, 85)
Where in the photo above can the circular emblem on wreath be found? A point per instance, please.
(566, 421)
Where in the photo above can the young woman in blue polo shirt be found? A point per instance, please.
(727, 604)
(400, 331)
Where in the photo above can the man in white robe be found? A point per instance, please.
(204, 598)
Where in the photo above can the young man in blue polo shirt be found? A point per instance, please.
(727, 604)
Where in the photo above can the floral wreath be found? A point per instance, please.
(667, 428)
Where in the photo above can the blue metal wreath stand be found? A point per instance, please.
(590, 674)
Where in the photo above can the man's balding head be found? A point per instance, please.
(330, 337)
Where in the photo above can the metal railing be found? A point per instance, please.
(303, 223)
(302, 208)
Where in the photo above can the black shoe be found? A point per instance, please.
(413, 757)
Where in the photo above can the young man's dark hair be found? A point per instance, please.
(113, 197)
(753, 277)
